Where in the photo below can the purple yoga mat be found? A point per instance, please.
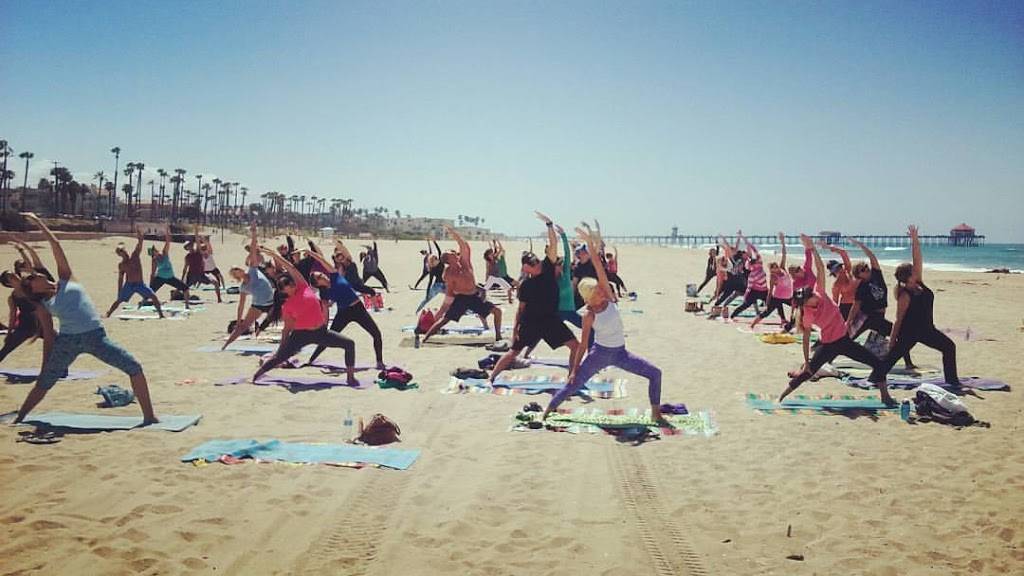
(325, 364)
(33, 373)
(296, 383)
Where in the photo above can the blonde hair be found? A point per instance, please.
(586, 288)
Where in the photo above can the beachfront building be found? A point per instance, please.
(420, 226)
(831, 236)
(963, 235)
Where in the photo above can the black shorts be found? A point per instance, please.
(551, 329)
(159, 282)
(197, 279)
(464, 302)
(264, 308)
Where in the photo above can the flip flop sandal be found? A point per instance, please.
(533, 407)
(535, 425)
(40, 438)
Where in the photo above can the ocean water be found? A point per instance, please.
(948, 258)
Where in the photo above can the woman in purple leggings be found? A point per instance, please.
(601, 318)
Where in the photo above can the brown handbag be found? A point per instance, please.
(380, 430)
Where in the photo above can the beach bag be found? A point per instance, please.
(934, 403)
(691, 290)
(177, 295)
(380, 430)
(395, 374)
(425, 321)
(694, 306)
(463, 373)
(114, 396)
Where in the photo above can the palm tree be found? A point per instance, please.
(140, 167)
(206, 199)
(235, 184)
(199, 185)
(129, 170)
(24, 184)
(152, 198)
(5, 175)
(116, 151)
(176, 199)
(245, 208)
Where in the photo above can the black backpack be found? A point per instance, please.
(928, 409)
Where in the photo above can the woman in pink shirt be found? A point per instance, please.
(305, 321)
(780, 289)
(757, 280)
(817, 309)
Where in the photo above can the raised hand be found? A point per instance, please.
(542, 217)
(806, 241)
(782, 238)
(912, 231)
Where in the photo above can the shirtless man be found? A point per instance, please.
(129, 278)
(461, 284)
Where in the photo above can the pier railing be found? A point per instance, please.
(696, 240)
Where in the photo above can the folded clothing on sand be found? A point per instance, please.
(275, 450)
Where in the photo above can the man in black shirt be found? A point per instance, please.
(537, 316)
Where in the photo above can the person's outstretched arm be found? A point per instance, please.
(593, 244)
(818, 265)
(782, 243)
(751, 250)
(323, 261)
(551, 250)
(255, 258)
(915, 245)
(285, 265)
(464, 250)
(868, 252)
(167, 241)
(138, 245)
(63, 268)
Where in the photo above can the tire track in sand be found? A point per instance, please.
(670, 552)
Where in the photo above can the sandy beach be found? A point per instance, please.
(850, 495)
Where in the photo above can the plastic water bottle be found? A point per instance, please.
(905, 410)
(346, 424)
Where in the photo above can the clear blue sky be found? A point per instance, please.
(710, 115)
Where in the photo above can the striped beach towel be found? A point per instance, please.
(593, 420)
(597, 387)
(827, 404)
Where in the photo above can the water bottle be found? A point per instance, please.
(346, 424)
(905, 410)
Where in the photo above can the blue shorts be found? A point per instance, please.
(129, 288)
(67, 347)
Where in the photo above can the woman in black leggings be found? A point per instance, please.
(710, 268)
(914, 320)
(304, 322)
(22, 325)
(350, 309)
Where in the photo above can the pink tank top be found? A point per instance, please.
(782, 288)
(303, 307)
(827, 317)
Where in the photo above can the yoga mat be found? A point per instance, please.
(762, 328)
(241, 348)
(592, 420)
(910, 382)
(457, 329)
(820, 404)
(30, 374)
(275, 450)
(449, 340)
(531, 384)
(295, 383)
(556, 362)
(148, 317)
(168, 423)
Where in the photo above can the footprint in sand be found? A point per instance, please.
(194, 563)
(165, 509)
(12, 519)
(46, 525)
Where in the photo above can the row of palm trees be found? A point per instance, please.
(215, 200)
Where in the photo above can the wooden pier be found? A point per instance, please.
(699, 240)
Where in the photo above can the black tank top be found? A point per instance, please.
(26, 314)
(919, 313)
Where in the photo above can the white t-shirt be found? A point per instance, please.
(608, 331)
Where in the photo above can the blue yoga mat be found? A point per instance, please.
(107, 422)
(303, 453)
(33, 373)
